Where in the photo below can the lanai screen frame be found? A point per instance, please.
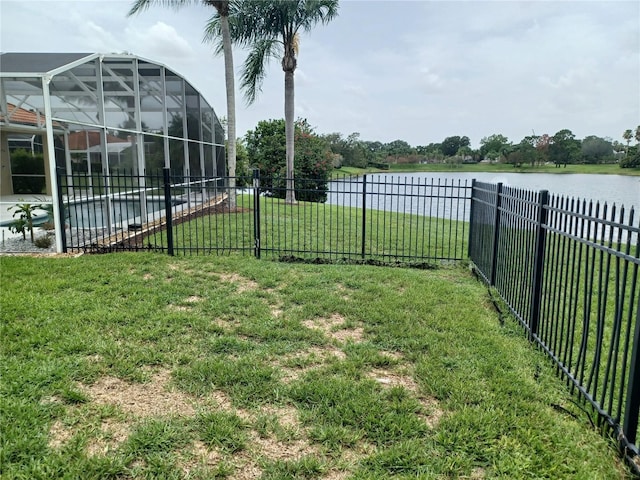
(120, 95)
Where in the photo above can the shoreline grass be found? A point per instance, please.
(604, 169)
(149, 366)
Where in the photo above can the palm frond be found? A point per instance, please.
(311, 12)
(254, 70)
(142, 5)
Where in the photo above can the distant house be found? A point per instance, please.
(100, 113)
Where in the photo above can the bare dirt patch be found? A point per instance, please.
(178, 308)
(477, 473)
(325, 325)
(243, 284)
(274, 449)
(221, 401)
(390, 378)
(287, 416)
(193, 299)
(199, 455)
(295, 365)
(276, 311)
(331, 328)
(435, 413)
(348, 335)
(153, 398)
(59, 434)
(112, 434)
(246, 467)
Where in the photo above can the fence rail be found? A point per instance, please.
(376, 217)
(568, 271)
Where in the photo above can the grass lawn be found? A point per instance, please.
(147, 366)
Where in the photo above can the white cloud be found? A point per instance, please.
(160, 39)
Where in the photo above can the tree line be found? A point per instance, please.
(561, 149)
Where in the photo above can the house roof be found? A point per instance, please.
(86, 139)
(36, 63)
(22, 116)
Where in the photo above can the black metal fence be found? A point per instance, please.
(372, 217)
(568, 271)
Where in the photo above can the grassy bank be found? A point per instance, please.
(496, 168)
(147, 366)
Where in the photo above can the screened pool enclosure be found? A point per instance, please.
(102, 115)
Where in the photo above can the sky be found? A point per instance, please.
(418, 71)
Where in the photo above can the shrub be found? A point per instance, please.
(44, 241)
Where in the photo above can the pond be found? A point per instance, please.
(410, 192)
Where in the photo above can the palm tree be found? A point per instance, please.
(627, 135)
(271, 29)
(222, 15)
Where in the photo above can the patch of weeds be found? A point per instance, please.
(156, 436)
(230, 345)
(222, 429)
(411, 459)
(307, 467)
(334, 437)
(266, 425)
(43, 241)
(382, 416)
(367, 354)
(245, 380)
(72, 396)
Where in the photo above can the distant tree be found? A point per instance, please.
(352, 151)
(524, 152)
(627, 135)
(451, 145)
(632, 158)
(528, 150)
(465, 153)
(637, 134)
(564, 148)
(494, 146)
(618, 147)
(596, 150)
(542, 145)
(266, 148)
(398, 148)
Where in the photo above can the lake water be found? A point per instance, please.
(395, 195)
(618, 189)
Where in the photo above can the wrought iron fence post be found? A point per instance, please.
(496, 235)
(632, 408)
(166, 174)
(470, 242)
(364, 214)
(60, 171)
(538, 269)
(256, 211)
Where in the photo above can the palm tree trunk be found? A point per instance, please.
(289, 133)
(231, 108)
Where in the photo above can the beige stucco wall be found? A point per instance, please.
(6, 187)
